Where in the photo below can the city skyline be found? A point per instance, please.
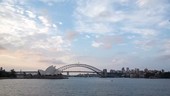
(109, 34)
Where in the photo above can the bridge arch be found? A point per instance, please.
(96, 70)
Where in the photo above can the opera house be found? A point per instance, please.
(51, 70)
(50, 73)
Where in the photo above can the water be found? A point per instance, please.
(85, 87)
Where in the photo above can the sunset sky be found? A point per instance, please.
(112, 34)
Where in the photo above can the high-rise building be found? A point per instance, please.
(145, 70)
(127, 69)
(123, 69)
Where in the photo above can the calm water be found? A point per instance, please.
(85, 87)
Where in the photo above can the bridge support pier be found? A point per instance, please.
(104, 73)
(67, 73)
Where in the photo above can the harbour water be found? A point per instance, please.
(85, 87)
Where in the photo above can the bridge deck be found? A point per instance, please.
(29, 72)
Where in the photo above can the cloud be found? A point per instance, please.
(96, 44)
(144, 32)
(44, 21)
(122, 17)
(92, 27)
(162, 61)
(60, 23)
(71, 35)
(16, 23)
(87, 15)
(52, 2)
(164, 57)
(26, 60)
(30, 14)
(107, 41)
(119, 61)
(87, 36)
(52, 61)
(165, 48)
(146, 44)
(2, 48)
(92, 8)
(167, 44)
(96, 16)
(151, 3)
(29, 36)
(23, 28)
(54, 42)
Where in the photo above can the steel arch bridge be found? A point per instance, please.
(96, 70)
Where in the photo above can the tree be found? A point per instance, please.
(13, 73)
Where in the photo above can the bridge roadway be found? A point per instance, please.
(35, 72)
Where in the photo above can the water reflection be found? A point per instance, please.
(85, 87)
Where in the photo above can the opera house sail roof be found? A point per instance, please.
(51, 70)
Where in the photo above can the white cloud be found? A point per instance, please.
(146, 44)
(165, 24)
(87, 36)
(131, 37)
(50, 2)
(17, 24)
(28, 30)
(92, 27)
(107, 41)
(88, 15)
(144, 32)
(30, 14)
(52, 61)
(142, 17)
(119, 61)
(92, 8)
(97, 36)
(53, 2)
(44, 21)
(96, 44)
(60, 23)
(55, 43)
(151, 3)
(54, 25)
(141, 3)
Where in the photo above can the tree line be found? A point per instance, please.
(10, 74)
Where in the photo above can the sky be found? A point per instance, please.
(111, 34)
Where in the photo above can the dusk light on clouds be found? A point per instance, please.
(112, 34)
